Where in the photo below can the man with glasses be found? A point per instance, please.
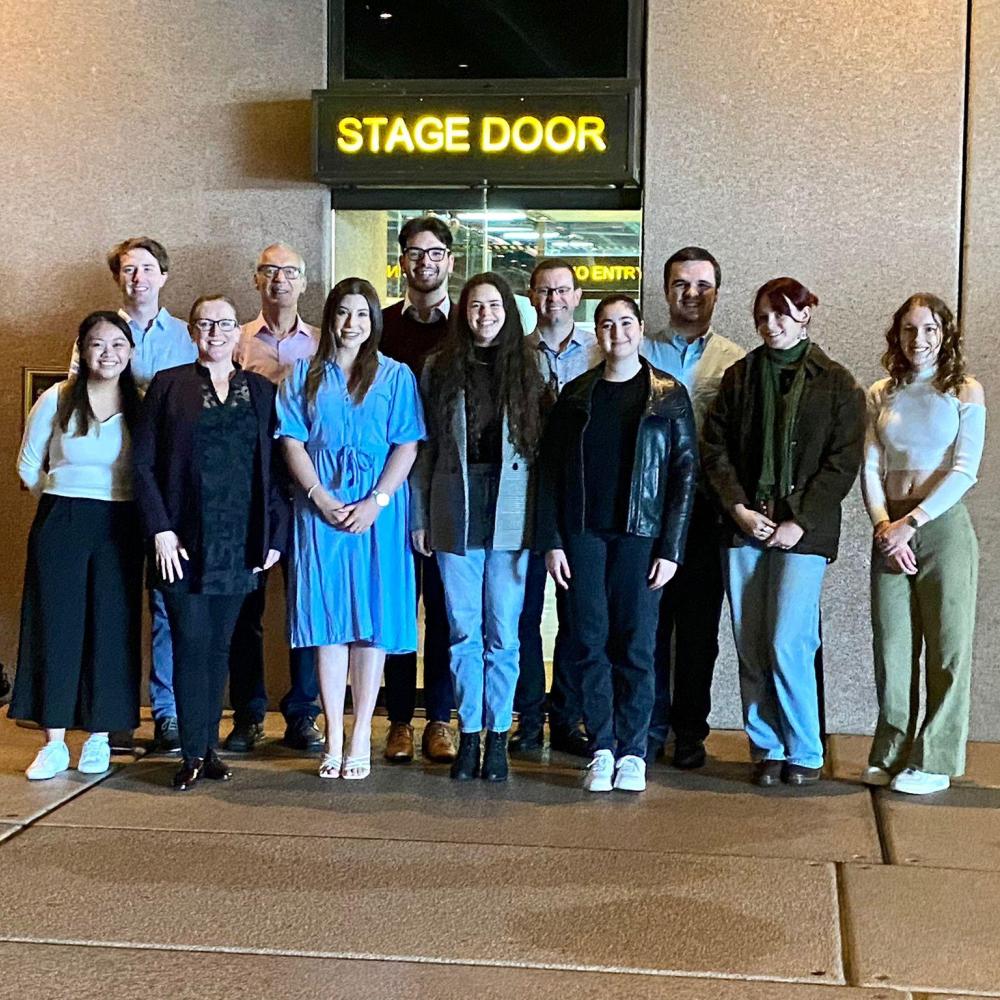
(140, 267)
(411, 330)
(564, 351)
(691, 351)
(270, 345)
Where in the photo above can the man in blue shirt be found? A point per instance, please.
(691, 351)
(140, 267)
(563, 351)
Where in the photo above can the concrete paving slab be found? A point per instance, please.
(30, 970)
(923, 929)
(21, 800)
(953, 829)
(570, 909)
(711, 812)
(849, 757)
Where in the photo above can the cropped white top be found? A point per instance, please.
(95, 466)
(920, 428)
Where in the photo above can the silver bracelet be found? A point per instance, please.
(309, 492)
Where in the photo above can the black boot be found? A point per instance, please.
(466, 764)
(495, 757)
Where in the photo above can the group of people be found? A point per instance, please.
(434, 449)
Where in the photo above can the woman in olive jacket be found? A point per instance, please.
(781, 447)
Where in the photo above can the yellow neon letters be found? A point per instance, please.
(384, 135)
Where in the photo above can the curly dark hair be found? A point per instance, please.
(950, 374)
(520, 381)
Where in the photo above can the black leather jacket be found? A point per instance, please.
(663, 474)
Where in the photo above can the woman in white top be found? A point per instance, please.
(79, 659)
(926, 426)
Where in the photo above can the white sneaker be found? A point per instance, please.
(599, 772)
(914, 782)
(630, 774)
(51, 760)
(95, 757)
(877, 777)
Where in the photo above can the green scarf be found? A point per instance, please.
(778, 419)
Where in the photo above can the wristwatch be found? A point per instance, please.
(911, 521)
(381, 498)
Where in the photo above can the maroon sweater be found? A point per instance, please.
(408, 340)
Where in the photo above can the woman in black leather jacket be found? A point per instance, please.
(617, 477)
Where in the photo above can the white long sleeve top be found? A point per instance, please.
(94, 466)
(919, 428)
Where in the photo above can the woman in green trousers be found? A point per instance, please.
(926, 427)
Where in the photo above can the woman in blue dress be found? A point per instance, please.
(350, 420)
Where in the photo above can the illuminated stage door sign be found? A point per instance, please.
(544, 140)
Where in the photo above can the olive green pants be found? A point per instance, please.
(933, 612)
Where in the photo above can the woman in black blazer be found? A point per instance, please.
(208, 482)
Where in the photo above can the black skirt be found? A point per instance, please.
(79, 659)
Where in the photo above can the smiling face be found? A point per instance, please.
(280, 277)
(485, 313)
(778, 330)
(691, 293)
(920, 337)
(423, 274)
(352, 322)
(215, 331)
(619, 332)
(554, 297)
(106, 352)
(140, 278)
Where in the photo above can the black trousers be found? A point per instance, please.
(529, 700)
(401, 668)
(613, 616)
(79, 660)
(687, 637)
(247, 687)
(201, 628)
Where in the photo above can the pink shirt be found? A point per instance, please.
(260, 351)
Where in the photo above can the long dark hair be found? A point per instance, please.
(950, 374)
(74, 399)
(520, 383)
(366, 364)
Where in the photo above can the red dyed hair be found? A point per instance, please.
(778, 290)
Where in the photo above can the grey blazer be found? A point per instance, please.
(439, 484)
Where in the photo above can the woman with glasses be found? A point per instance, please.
(349, 421)
(926, 430)
(209, 485)
(473, 506)
(781, 446)
(78, 661)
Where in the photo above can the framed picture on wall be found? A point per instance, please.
(36, 381)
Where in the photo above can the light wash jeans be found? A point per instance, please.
(161, 662)
(484, 593)
(774, 599)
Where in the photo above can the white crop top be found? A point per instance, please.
(920, 428)
(94, 466)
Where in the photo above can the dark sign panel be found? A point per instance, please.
(374, 137)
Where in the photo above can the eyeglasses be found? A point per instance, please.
(269, 271)
(207, 325)
(417, 254)
(562, 291)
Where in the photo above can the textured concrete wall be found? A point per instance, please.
(981, 306)
(188, 121)
(821, 140)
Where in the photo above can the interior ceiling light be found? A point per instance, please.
(384, 16)
(520, 234)
(491, 216)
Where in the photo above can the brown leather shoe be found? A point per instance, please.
(399, 743)
(437, 744)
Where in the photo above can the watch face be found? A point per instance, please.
(382, 499)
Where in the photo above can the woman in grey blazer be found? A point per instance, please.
(472, 506)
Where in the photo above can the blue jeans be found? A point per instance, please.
(483, 594)
(774, 599)
(161, 663)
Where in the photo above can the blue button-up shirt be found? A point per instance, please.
(579, 354)
(166, 344)
(697, 364)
